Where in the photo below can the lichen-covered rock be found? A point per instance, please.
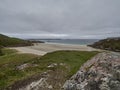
(100, 73)
(26, 65)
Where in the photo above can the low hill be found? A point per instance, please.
(6, 41)
(112, 44)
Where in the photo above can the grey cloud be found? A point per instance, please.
(65, 18)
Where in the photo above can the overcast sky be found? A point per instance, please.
(60, 18)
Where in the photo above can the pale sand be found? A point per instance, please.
(43, 48)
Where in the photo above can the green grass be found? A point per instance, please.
(6, 41)
(8, 63)
(10, 60)
(74, 59)
(7, 51)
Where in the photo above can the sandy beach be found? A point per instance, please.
(43, 48)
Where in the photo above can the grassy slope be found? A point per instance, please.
(74, 59)
(9, 61)
(8, 41)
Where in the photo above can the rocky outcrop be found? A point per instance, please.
(100, 73)
(26, 65)
(111, 44)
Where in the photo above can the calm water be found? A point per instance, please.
(70, 41)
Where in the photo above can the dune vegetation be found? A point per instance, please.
(11, 63)
(8, 62)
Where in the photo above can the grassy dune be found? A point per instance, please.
(9, 62)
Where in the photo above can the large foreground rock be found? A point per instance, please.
(100, 73)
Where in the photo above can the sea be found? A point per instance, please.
(70, 41)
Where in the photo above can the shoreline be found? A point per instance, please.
(65, 44)
(44, 48)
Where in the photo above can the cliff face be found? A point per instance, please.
(100, 73)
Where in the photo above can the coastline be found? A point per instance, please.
(71, 41)
(67, 44)
(44, 48)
